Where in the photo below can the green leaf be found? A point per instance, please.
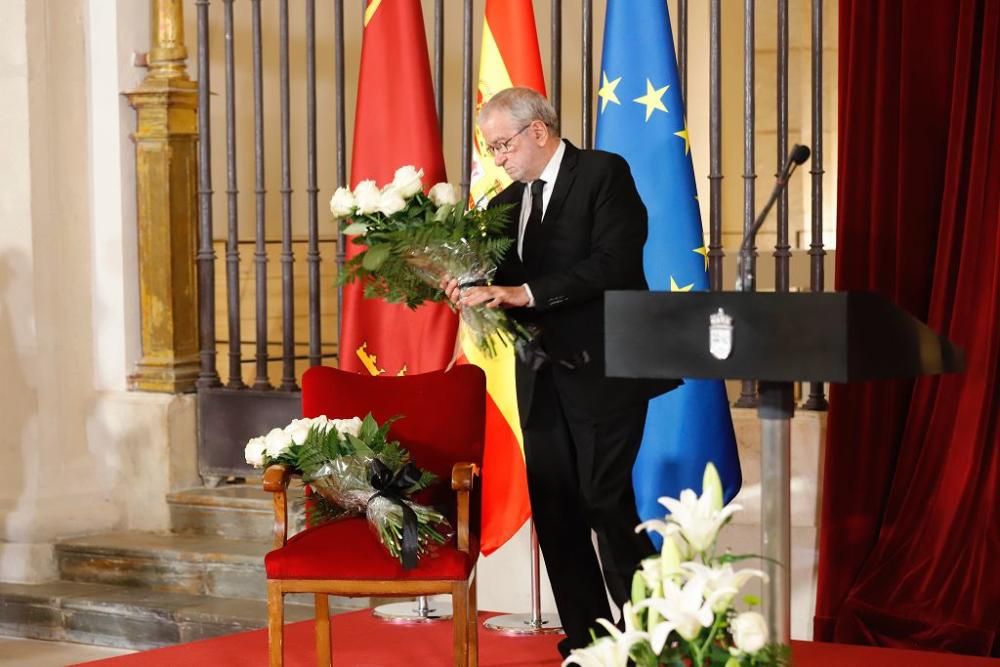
(375, 256)
(355, 228)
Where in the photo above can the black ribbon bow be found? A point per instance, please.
(393, 486)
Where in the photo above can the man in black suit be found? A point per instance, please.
(580, 228)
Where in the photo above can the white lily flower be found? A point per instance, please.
(698, 520)
(749, 632)
(366, 197)
(683, 609)
(255, 450)
(605, 652)
(406, 181)
(342, 204)
(724, 580)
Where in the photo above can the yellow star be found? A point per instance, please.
(683, 134)
(607, 91)
(674, 287)
(703, 251)
(652, 99)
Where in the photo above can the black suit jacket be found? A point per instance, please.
(590, 240)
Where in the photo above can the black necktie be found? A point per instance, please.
(531, 227)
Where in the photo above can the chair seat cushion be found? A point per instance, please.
(349, 549)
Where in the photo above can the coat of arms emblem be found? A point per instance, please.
(720, 334)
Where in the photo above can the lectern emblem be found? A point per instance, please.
(720, 334)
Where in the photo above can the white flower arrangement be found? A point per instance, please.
(681, 611)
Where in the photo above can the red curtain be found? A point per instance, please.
(910, 530)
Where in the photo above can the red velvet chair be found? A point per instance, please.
(443, 428)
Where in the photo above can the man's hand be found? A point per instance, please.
(494, 297)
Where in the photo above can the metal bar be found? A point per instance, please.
(439, 62)
(782, 252)
(338, 67)
(312, 187)
(817, 253)
(682, 47)
(260, 195)
(208, 376)
(748, 262)
(715, 148)
(555, 69)
(467, 92)
(287, 257)
(587, 89)
(776, 411)
(232, 193)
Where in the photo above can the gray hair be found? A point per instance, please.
(524, 105)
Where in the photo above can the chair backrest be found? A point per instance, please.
(444, 412)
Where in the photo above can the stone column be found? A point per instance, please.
(166, 141)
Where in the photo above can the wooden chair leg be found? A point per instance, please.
(323, 655)
(460, 622)
(275, 623)
(473, 631)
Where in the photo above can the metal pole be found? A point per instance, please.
(232, 194)
(747, 261)
(535, 623)
(776, 410)
(208, 376)
(715, 254)
(817, 399)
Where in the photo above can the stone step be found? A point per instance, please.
(192, 564)
(235, 511)
(106, 615)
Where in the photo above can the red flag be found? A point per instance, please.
(395, 125)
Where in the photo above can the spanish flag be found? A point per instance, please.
(395, 125)
(509, 57)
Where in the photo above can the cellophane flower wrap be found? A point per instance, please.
(682, 611)
(414, 240)
(353, 469)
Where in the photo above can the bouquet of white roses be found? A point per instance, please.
(414, 240)
(355, 470)
(681, 612)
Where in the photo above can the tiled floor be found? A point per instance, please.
(31, 653)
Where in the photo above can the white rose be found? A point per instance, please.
(352, 426)
(321, 423)
(342, 204)
(443, 194)
(298, 430)
(390, 202)
(749, 632)
(407, 181)
(366, 197)
(276, 442)
(254, 452)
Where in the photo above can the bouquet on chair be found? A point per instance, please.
(682, 610)
(415, 240)
(353, 470)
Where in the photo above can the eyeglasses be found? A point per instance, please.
(504, 147)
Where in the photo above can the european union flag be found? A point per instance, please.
(641, 117)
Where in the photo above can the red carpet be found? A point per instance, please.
(359, 640)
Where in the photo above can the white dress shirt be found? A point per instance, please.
(549, 175)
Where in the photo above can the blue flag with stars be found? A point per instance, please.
(640, 116)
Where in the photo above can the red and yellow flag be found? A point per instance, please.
(395, 125)
(509, 57)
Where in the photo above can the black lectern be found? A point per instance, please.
(775, 338)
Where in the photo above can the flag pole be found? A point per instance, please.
(535, 623)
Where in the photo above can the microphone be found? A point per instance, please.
(798, 155)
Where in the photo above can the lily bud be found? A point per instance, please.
(711, 486)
